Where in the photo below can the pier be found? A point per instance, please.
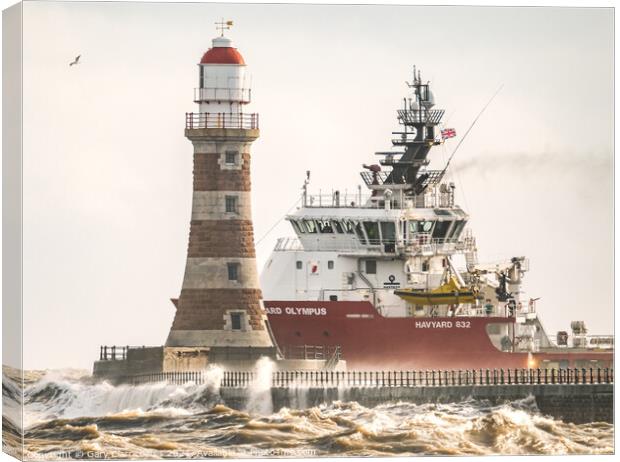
(573, 395)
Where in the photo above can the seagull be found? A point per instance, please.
(76, 61)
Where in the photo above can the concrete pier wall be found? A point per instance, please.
(576, 403)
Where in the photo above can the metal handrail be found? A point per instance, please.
(118, 352)
(113, 353)
(197, 120)
(428, 116)
(415, 378)
(319, 352)
(350, 242)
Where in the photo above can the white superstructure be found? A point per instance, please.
(407, 237)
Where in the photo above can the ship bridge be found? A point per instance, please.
(380, 231)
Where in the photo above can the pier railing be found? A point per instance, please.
(119, 352)
(441, 378)
(113, 353)
(176, 378)
(424, 378)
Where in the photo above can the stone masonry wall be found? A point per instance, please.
(220, 237)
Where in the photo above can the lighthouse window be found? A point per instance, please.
(231, 204)
(233, 271)
(372, 231)
(231, 157)
(310, 226)
(235, 321)
(325, 226)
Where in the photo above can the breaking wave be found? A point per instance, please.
(69, 415)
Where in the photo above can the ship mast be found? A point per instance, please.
(418, 134)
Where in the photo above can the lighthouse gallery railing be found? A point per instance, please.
(194, 120)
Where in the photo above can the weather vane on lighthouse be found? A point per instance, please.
(223, 25)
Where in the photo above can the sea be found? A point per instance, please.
(68, 415)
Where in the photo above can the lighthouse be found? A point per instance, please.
(219, 318)
(219, 311)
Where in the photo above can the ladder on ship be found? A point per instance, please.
(333, 360)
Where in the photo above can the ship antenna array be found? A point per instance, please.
(469, 129)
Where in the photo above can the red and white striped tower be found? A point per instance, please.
(220, 306)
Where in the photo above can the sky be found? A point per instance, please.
(107, 170)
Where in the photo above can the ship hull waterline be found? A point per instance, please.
(370, 341)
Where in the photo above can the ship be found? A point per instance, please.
(390, 278)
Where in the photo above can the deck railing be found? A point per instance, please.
(195, 120)
(351, 243)
(319, 352)
(420, 378)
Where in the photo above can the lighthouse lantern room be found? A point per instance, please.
(223, 88)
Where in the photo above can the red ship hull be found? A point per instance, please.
(369, 341)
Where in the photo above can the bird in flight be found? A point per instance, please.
(75, 61)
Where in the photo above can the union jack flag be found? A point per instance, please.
(448, 133)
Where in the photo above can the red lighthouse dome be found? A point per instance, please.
(222, 53)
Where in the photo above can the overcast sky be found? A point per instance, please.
(107, 170)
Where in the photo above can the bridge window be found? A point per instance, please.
(441, 229)
(421, 226)
(372, 231)
(456, 231)
(310, 226)
(349, 226)
(371, 266)
(443, 212)
(338, 226)
(325, 226)
(388, 232)
(360, 232)
(426, 226)
(299, 228)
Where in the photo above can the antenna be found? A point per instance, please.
(469, 129)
